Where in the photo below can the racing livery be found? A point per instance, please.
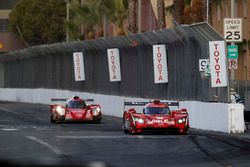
(75, 109)
(156, 116)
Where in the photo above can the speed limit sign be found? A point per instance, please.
(233, 29)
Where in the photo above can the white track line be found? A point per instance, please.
(53, 148)
(9, 129)
(8, 110)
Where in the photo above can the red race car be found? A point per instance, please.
(75, 109)
(156, 116)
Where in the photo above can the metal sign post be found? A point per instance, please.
(232, 34)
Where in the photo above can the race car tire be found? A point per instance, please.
(59, 120)
(51, 119)
(182, 132)
(124, 127)
(97, 121)
(133, 132)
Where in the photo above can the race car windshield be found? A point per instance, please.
(156, 110)
(76, 104)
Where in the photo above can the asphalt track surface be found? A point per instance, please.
(27, 138)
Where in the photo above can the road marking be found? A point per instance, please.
(117, 137)
(52, 148)
(5, 120)
(8, 110)
(21, 127)
(9, 129)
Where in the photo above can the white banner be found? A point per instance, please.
(78, 66)
(160, 64)
(114, 64)
(218, 63)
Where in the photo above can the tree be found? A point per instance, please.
(89, 13)
(117, 13)
(197, 11)
(161, 14)
(217, 3)
(132, 16)
(39, 22)
(178, 11)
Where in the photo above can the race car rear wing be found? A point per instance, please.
(173, 105)
(65, 99)
(169, 103)
(60, 99)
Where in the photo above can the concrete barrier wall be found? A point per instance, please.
(208, 116)
(221, 117)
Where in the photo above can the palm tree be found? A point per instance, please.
(132, 16)
(197, 11)
(187, 18)
(87, 13)
(161, 14)
(178, 11)
(116, 12)
(211, 3)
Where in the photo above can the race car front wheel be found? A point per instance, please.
(97, 120)
(125, 126)
(51, 119)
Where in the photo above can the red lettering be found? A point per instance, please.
(159, 66)
(216, 53)
(218, 81)
(112, 52)
(159, 60)
(158, 48)
(217, 67)
(216, 46)
(114, 77)
(217, 59)
(218, 73)
(159, 55)
(160, 78)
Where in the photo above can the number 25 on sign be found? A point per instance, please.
(233, 29)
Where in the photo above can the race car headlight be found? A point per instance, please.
(139, 120)
(96, 111)
(181, 120)
(60, 110)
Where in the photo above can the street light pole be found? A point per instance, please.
(207, 11)
(139, 16)
(232, 76)
(67, 18)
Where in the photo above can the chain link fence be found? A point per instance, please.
(51, 66)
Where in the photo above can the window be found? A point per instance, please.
(76, 104)
(4, 23)
(156, 110)
(7, 4)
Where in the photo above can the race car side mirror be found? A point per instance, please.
(183, 109)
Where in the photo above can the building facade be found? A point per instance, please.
(241, 10)
(8, 40)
